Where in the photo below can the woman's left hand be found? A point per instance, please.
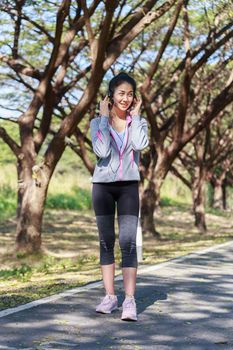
(136, 106)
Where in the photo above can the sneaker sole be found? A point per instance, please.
(106, 312)
(134, 319)
(129, 319)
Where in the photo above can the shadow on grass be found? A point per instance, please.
(71, 246)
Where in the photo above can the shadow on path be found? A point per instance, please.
(186, 305)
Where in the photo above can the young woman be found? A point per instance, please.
(118, 135)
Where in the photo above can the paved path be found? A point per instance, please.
(185, 304)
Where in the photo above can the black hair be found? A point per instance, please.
(118, 80)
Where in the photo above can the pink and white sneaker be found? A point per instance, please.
(108, 304)
(129, 312)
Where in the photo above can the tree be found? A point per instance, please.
(173, 87)
(53, 50)
(207, 157)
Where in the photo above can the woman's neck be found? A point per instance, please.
(118, 114)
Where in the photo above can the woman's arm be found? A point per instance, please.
(139, 133)
(139, 127)
(100, 136)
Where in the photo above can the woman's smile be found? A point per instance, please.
(124, 105)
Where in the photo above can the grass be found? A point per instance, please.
(77, 199)
(70, 252)
(7, 202)
(65, 192)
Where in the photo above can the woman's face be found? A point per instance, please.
(123, 96)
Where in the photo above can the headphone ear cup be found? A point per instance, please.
(110, 95)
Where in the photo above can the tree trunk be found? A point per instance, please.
(32, 191)
(149, 202)
(224, 192)
(218, 195)
(199, 199)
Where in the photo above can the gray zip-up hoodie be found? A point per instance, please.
(114, 164)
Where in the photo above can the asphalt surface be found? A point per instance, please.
(185, 304)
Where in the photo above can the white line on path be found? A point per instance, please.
(93, 285)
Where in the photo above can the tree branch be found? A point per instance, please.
(90, 34)
(175, 74)
(9, 141)
(154, 66)
(224, 98)
(10, 109)
(210, 51)
(19, 5)
(123, 38)
(83, 151)
(38, 26)
(70, 34)
(174, 170)
(19, 68)
(181, 110)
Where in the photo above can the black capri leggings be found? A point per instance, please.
(105, 196)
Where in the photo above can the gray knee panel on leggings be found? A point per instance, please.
(105, 224)
(127, 239)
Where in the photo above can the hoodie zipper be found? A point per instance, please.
(123, 149)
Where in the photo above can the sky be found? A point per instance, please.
(4, 89)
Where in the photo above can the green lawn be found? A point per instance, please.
(69, 254)
(70, 249)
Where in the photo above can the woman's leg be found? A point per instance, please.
(129, 279)
(128, 210)
(108, 273)
(104, 206)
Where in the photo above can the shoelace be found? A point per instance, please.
(129, 303)
(106, 299)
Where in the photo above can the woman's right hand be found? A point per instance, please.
(104, 107)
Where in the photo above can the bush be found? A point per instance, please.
(78, 199)
(7, 201)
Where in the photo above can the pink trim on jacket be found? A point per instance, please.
(128, 121)
(98, 134)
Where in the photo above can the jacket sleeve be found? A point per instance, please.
(139, 133)
(100, 137)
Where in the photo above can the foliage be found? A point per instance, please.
(55, 58)
(6, 156)
(173, 192)
(7, 202)
(78, 199)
